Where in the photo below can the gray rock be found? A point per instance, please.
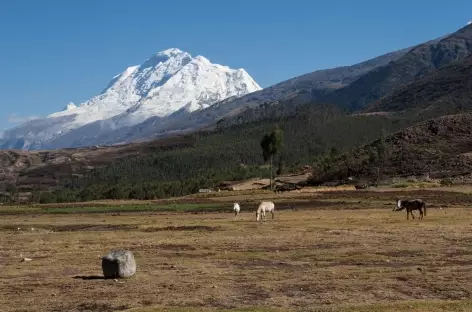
(119, 264)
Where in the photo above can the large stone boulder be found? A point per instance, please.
(119, 264)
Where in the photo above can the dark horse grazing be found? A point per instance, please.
(410, 205)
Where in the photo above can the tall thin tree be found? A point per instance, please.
(271, 145)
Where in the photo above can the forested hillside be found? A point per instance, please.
(313, 134)
(233, 153)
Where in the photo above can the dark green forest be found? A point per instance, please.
(314, 134)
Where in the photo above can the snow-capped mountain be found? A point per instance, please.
(169, 81)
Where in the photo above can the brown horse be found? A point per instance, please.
(410, 205)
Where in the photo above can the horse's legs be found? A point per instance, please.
(272, 214)
(421, 214)
(412, 215)
(408, 214)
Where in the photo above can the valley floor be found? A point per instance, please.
(341, 252)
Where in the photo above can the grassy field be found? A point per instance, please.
(334, 251)
(103, 208)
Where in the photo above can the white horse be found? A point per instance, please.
(263, 208)
(236, 209)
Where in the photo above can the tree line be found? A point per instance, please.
(313, 136)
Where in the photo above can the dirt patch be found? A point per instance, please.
(282, 248)
(192, 200)
(456, 253)
(90, 227)
(265, 263)
(252, 293)
(68, 271)
(318, 205)
(175, 247)
(70, 227)
(183, 228)
(92, 307)
(90, 277)
(190, 255)
(165, 247)
(401, 253)
(362, 263)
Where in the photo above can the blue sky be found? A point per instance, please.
(56, 51)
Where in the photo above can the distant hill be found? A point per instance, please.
(328, 87)
(43, 170)
(440, 147)
(419, 61)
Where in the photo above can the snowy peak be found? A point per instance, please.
(172, 52)
(186, 82)
(167, 82)
(115, 82)
(70, 106)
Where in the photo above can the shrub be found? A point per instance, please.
(47, 198)
(447, 182)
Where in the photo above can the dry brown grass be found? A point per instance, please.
(315, 260)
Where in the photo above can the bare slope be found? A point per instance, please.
(448, 90)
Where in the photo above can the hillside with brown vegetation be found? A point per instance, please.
(33, 169)
(441, 147)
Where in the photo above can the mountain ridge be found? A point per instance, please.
(123, 114)
(445, 91)
(300, 89)
(280, 98)
(164, 83)
(420, 60)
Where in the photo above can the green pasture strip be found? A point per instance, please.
(115, 209)
(411, 306)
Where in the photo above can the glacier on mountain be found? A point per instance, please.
(168, 82)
